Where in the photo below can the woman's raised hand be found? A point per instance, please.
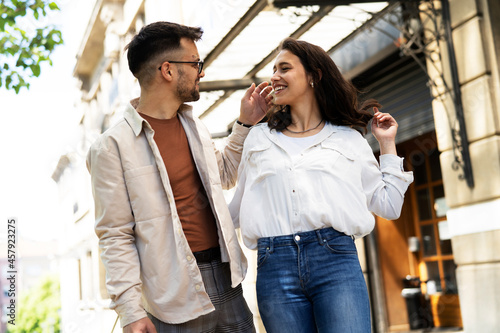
(255, 103)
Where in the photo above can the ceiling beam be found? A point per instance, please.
(230, 84)
(218, 102)
(299, 3)
(315, 18)
(244, 21)
(366, 25)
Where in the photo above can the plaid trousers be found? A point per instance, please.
(231, 314)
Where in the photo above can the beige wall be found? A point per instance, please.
(474, 215)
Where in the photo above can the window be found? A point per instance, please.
(436, 254)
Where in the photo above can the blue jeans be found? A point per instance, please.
(311, 282)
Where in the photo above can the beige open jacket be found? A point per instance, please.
(149, 265)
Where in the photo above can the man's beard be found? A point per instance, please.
(184, 92)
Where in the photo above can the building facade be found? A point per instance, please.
(434, 65)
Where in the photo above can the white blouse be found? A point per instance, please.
(294, 146)
(335, 181)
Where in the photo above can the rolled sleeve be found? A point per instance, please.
(229, 159)
(392, 167)
(386, 185)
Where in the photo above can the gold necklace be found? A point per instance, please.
(305, 130)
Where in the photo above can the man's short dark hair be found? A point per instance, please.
(155, 40)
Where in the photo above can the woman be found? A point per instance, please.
(308, 185)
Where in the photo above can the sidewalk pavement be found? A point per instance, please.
(437, 330)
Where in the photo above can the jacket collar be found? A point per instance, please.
(137, 123)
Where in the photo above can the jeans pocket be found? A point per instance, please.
(262, 255)
(340, 244)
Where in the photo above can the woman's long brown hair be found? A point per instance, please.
(337, 98)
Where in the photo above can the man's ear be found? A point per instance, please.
(166, 71)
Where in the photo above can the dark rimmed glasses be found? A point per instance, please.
(199, 63)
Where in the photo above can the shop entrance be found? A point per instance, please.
(418, 243)
(432, 246)
(418, 246)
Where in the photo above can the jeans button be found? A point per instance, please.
(297, 238)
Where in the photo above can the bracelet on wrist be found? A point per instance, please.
(244, 125)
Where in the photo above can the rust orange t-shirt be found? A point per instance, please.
(191, 200)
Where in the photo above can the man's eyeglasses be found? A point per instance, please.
(199, 63)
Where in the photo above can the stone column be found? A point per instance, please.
(474, 214)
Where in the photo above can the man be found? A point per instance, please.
(171, 254)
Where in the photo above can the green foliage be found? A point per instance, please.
(38, 308)
(26, 41)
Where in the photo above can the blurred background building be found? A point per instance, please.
(434, 65)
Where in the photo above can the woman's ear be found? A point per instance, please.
(315, 78)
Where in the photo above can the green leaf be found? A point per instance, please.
(53, 6)
(2, 23)
(21, 46)
(35, 69)
(10, 21)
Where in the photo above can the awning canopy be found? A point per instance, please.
(241, 37)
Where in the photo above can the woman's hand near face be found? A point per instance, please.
(384, 128)
(255, 103)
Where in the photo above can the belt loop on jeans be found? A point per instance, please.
(270, 246)
(320, 236)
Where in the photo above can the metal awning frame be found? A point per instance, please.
(412, 41)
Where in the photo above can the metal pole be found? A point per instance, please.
(457, 97)
(379, 320)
